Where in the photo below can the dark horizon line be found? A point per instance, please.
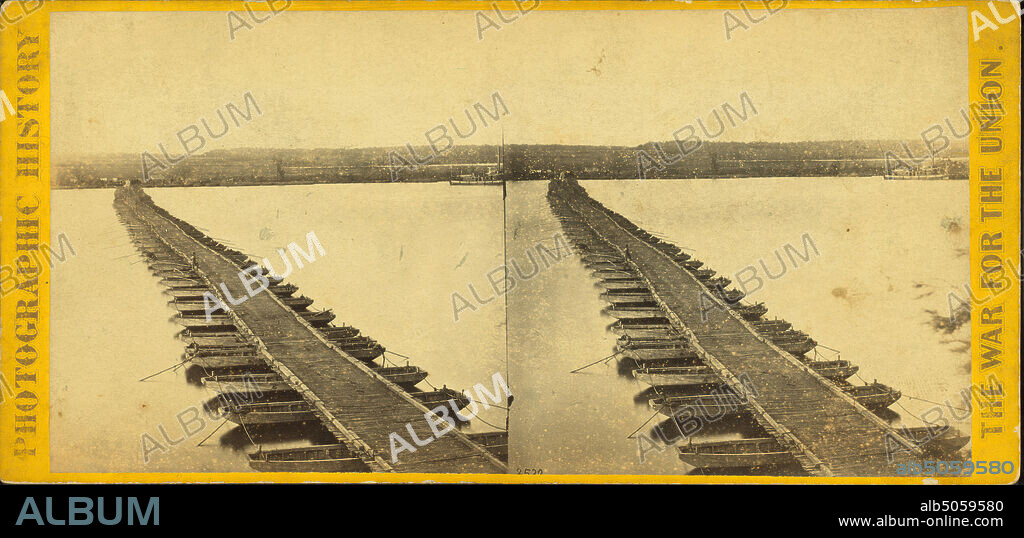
(402, 146)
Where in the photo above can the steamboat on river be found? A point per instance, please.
(493, 175)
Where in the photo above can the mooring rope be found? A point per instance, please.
(828, 348)
(656, 413)
(937, 403)
(919, 399)
(246, 430)
(489, 424)
(213, 432)
(603, 359)
(397, 354)
(176, 366)
(909, 412)
(487, 404)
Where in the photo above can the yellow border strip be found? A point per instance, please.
(24, 439)
(995, 175)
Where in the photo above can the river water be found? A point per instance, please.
(394, 255)
(419, 267)
(883, 254)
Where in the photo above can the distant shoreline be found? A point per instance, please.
(519, 162)
(525, 180)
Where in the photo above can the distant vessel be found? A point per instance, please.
(919, 173)
(490, 178)
(493, 176)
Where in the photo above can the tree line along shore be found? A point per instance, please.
(653, 160)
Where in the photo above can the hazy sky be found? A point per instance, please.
(124, 82)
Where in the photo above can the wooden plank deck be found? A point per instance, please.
(363, 403)
(842, 434)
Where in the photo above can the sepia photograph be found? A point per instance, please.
(755, 277)
(284, 249)
(557, 242)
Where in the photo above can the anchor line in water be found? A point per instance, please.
(659, 266)
(165, 240)
(222, 423)
(175, 367)
(477, 417)
(936, 403)
(911, 413)
(246, 430)
(488, 404)
(919, 399)
(646, 422)
(604, 360)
